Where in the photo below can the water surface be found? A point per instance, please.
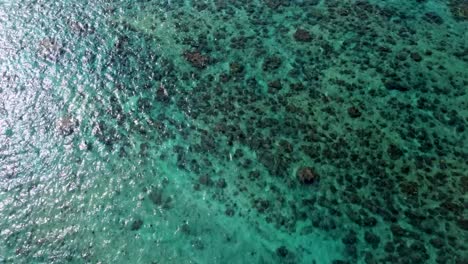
(225, 131)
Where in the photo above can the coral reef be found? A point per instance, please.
(266, 130)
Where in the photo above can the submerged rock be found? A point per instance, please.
(272, 63)
(136, 225)
(350, 238)
(306, 175)
(229, 212)
(434, 18)
(273, 4)
(391, 85)
(196, 59)
(84, 146)
(302, 35)
(80, 28)
(50, 49)
(463, 224)
(286, 146)
(205, 180)
(282, 252)
(161, 94)
(372, 239)
(416, 57)
(66, 126)
(409, 188)
(274, 85)
(236, 69)
(221, 183)
(354, 112)
(459, 9)
(394, 152)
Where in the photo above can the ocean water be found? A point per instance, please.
(234, 131)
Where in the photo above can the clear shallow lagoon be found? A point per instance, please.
(227, 131)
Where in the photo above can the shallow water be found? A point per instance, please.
(265, 131)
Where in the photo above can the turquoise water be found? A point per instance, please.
(223, 131)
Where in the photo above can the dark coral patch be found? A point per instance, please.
(197, 59)
(306, 175)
